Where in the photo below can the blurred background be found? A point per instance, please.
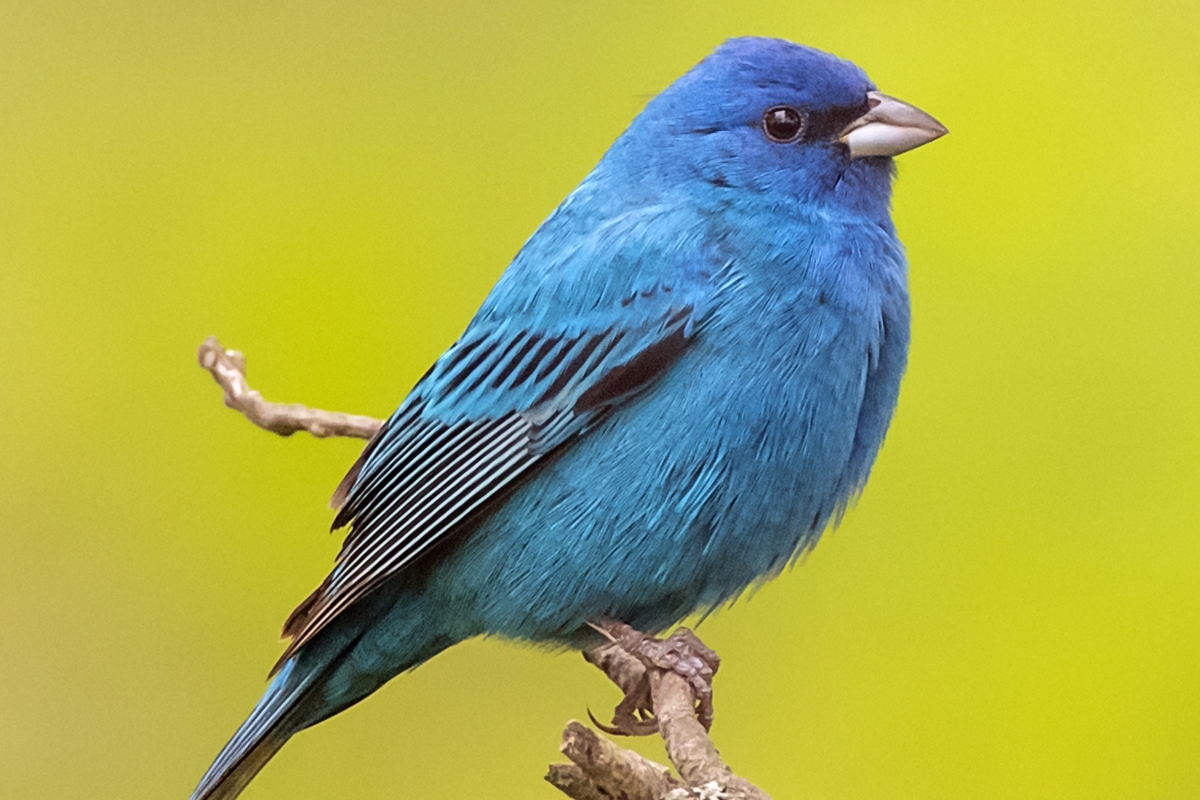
(1013, 609)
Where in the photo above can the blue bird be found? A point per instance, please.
(681, 380)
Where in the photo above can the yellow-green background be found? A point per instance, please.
(1013, 610)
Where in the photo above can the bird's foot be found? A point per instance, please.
(682, 652)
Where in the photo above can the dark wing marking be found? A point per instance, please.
(497, 403)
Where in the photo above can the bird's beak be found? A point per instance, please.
(889, 128)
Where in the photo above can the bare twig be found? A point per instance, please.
(687, 743)
(704, 775)
(610, 770)
(600, 770)
(571, 780)
(228, 368)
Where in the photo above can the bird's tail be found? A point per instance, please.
(260, 736)
(374, 641)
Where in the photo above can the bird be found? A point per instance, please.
(679, 383)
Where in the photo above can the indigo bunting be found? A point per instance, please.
(681, 380)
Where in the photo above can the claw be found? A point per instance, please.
(681, 652)
(602, 630)
(626, 727)
(634, 715)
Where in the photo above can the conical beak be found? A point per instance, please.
(889, 128)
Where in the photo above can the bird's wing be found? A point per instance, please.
(502, 399)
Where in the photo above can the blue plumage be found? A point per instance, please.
(681, 380)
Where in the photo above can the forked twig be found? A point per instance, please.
(607, 770)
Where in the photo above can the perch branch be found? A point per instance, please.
(603, 769)
(688, 745)
(228, 368)
(599, 769)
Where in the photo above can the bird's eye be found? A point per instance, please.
(783, 124)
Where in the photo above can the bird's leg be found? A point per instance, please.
(681, 652)
(634, 716)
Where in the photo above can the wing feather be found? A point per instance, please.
(501, 400)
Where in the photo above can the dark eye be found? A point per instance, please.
(783, 124)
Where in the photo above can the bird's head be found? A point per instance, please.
(769, 116)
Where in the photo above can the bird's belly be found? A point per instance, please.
(674, 505)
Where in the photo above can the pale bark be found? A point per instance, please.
(228, 368)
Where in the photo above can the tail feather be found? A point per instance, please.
(259, 738)
(228, 784)
(325, 677)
